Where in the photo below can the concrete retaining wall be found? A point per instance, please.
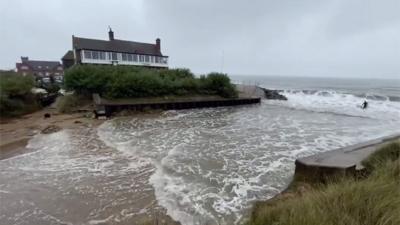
(342, 161)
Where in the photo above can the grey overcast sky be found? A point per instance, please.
(343, 38)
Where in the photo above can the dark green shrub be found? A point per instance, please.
(221, 84)
(16, 85)
(130, 81)
(16, 97)
(52, 88)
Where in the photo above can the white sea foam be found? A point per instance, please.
(342, 104)
(205, 166)
(210, 164)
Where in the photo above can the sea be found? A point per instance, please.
(198, 166)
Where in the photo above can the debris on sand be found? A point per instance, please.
(51, 129)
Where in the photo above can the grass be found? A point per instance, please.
(374, 199)
(72, 102)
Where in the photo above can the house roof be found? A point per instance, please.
(69, 55)
(41, 65)
(115, 45)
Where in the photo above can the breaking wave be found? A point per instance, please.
(379, 107)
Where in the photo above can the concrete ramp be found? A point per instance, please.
(250, 91)
(343, 160)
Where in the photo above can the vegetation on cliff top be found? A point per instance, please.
(363, 201)
(131, 82)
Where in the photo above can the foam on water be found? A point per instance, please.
(205, 166)
(342, 104)
(211, 164)
(73, 178)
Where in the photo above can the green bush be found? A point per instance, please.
(131, 81)
(16, 85)
(16, 97)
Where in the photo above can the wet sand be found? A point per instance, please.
(14, 136)
(16, 132)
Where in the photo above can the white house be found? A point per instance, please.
(115, 52)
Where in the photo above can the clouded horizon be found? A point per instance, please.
(337, 38)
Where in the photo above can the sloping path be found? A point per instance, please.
(344, 158)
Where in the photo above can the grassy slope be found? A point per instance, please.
(371, 200)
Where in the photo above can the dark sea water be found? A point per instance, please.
(203, 166)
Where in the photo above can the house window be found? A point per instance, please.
(146, 58)
(141, 58)
(40, 67)
(130, 57)
(24, 68)
(124, 57)
(114, 56)
(135, 58)
(162, 60)
(87, 54)
(59, 68)
(102, 55)
(95, 55)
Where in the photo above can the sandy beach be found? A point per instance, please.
(16, 132)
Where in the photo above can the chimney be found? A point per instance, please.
(110, 34)
(158, 44)
(24, 58)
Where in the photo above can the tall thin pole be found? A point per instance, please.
(222, 62)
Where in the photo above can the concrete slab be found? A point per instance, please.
(347, 157)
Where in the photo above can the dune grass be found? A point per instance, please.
(370, 200)
(71, 102)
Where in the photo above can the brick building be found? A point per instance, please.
(44, 71)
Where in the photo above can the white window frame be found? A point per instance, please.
(87, 53)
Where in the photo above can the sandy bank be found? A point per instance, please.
(16, 132)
